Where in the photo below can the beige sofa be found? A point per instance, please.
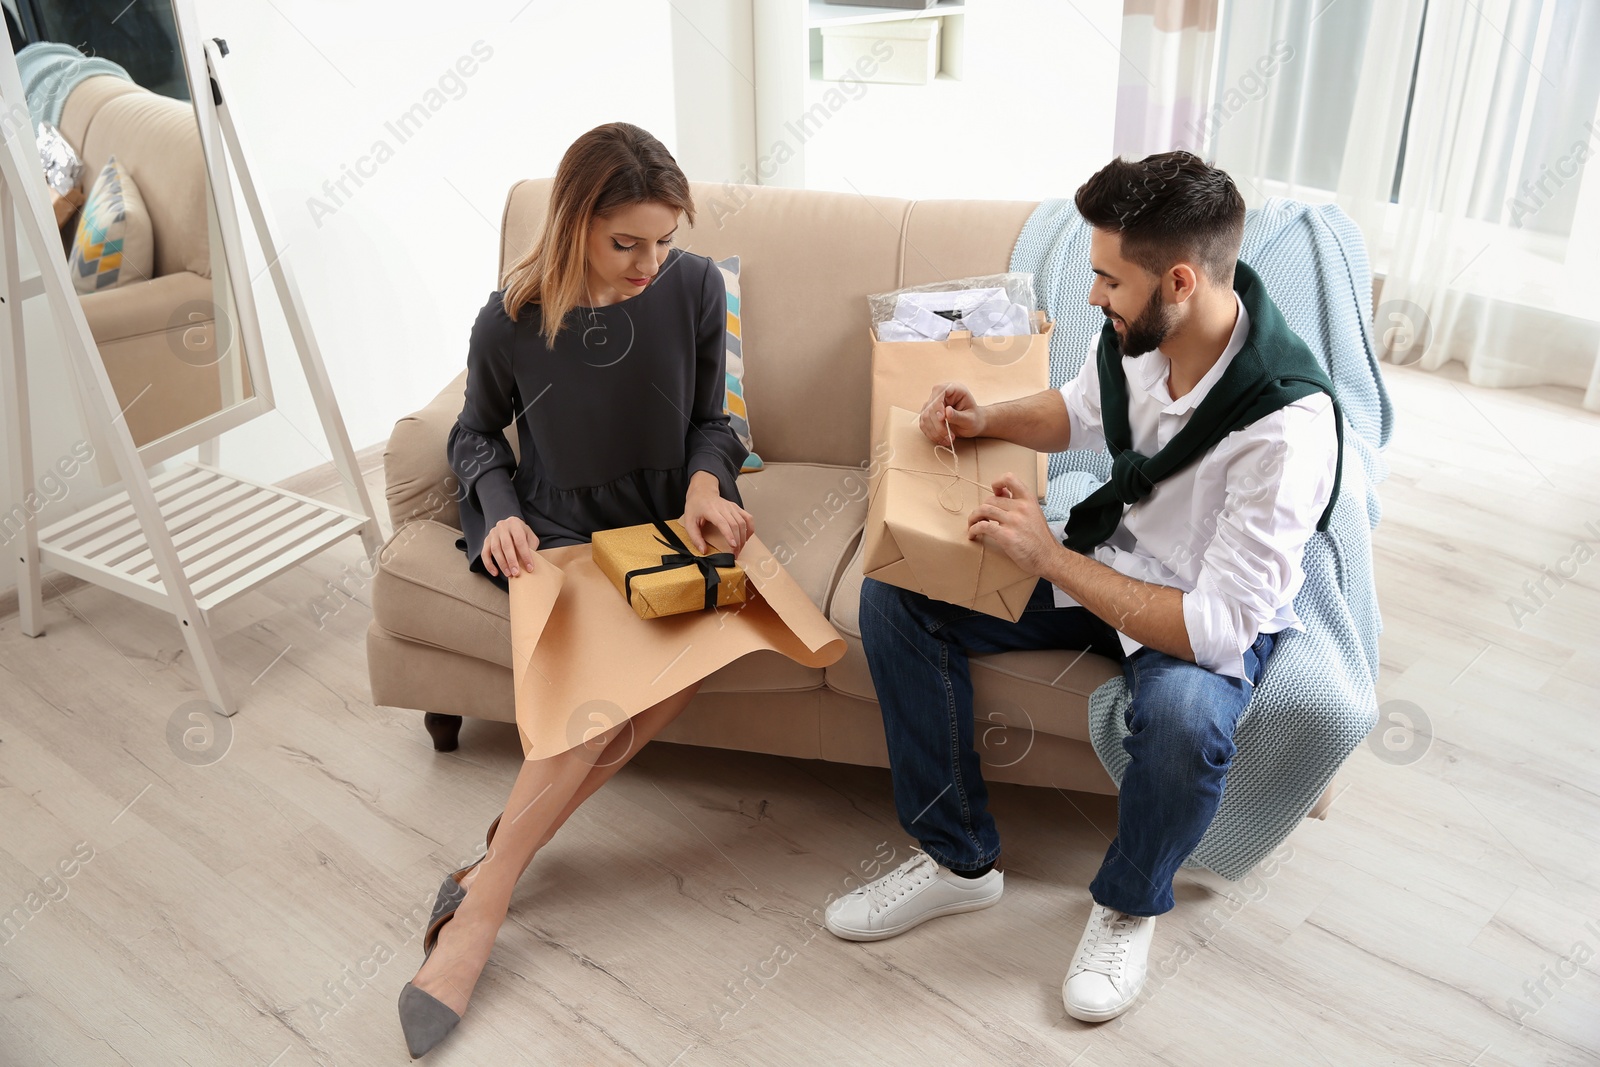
(137, 325)
(439, 640)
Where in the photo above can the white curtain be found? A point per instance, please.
(1165, 78)
(1288, 73)
(1456, 133)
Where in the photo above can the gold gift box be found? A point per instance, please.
(665, 580)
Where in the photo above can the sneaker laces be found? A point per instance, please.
(900, 881)
(1107, 942)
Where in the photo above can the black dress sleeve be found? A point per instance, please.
(479, 453)
(711, 444)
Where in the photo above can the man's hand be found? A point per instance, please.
(1013, 522)
(706, 504)
(509, 546)
(951, 404)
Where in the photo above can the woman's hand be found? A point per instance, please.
(509, 546)
(951, 405)
(705, 504)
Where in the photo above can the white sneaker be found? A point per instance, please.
(914, 892)
(1110, 967)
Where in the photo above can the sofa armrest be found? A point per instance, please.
(418, 482)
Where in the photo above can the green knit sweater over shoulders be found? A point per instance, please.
(1273, 370)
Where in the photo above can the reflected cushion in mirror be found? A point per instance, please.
(114, 244)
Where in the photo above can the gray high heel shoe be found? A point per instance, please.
(451, 894)
(424, 1018)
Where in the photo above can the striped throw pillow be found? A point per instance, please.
(735, 406)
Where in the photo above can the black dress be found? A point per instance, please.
(612, 421)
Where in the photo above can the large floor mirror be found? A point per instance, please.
(125, 194)
(108, 92)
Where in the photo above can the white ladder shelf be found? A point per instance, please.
(188, 539)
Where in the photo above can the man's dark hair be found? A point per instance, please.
(1168, 207)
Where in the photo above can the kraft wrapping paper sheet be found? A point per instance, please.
(913, 538)
(583, 661)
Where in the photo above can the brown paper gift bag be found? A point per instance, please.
(916, 536)
(653, 566)
(994, 368)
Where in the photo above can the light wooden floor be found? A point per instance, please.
(255, 911)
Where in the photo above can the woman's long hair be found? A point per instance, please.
(609, 168)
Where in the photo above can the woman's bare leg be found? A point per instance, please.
(544, 795)
(633, 736)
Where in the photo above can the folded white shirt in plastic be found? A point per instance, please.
(895, 330)
(957, 300)
(997, 317)
(925, 323)
(927, 316)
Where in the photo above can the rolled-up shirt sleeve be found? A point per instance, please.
(711, 444)
(480, 456)
(1280, 473)
(1082, 394)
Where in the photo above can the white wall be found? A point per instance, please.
(393, 277)
(1029, 117)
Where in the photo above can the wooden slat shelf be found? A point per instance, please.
(231, 535)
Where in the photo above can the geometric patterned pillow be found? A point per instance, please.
(734, 402)
(114, 243)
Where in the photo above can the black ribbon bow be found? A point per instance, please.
(683, 557)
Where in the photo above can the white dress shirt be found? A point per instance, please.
(1229, 529)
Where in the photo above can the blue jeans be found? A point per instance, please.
(1180, 743)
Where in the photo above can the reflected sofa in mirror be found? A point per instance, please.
(162, 321)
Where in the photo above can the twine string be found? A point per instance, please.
(951, 469)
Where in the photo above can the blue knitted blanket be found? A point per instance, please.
(50, 71)
(1317, 700)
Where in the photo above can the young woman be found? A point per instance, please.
(605, 346)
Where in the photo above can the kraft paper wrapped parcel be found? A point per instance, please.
(916, 535)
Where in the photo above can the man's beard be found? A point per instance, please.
(1146, 333)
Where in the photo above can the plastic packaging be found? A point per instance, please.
(62, 167)
(984, 299)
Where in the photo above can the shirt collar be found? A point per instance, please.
(1153, 368)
